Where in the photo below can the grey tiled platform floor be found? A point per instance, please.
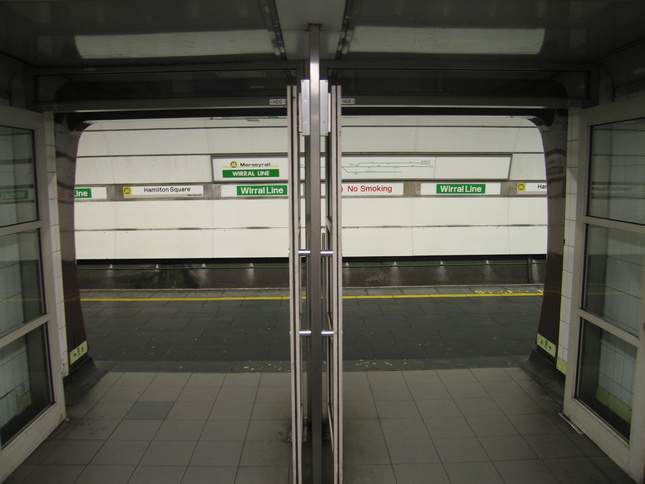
(456, 426)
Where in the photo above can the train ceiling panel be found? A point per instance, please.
(80, 32)
(422, 41)
(575, 30)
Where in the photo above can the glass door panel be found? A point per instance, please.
(21, 295)
(614, 276)
(616, 190)
(29, 398)
(606, 394)
(607, 367)
(17, 176)
(25, 384)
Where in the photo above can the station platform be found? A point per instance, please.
(197, 391)
(243, 330)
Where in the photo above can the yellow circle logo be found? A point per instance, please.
(233, 164)
(521, 187)
(127, 191)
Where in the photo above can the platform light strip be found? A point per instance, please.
(286, 298)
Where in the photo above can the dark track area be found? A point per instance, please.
(274, 273)
(238, 331)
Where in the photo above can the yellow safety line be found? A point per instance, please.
(285, 298)
(465, 295)
(140, 299)
(412, 296)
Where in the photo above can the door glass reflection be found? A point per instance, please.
(606, 382)
(25, 383)
(21, 294)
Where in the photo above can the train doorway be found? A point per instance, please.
(365, 343)
(387, 389)
(163, 219)
(317, 366)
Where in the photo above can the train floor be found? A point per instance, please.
(453, 412)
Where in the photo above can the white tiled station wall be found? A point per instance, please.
(573, 150)
(113, 154)
(58, 296)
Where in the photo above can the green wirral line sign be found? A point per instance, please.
(261, 190)
(461, 188)
(83, 193)
(250, 173)
(11, 195)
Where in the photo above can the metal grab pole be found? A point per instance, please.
(295, 287)
(314, 261)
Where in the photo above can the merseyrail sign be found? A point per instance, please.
(248, 169)
(270, 173)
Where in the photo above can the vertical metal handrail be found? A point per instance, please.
(295, 284)
(314, 261)
(334, 159)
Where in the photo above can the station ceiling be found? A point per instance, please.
(80, 50)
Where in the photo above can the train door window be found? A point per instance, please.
(614, 264)
(607, 400)
(29, 396)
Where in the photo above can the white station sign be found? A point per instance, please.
(164, 191)
(372, 189)
(526, 188)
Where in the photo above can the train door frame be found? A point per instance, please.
(39, 333)
(627, 452)
(73, 114)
